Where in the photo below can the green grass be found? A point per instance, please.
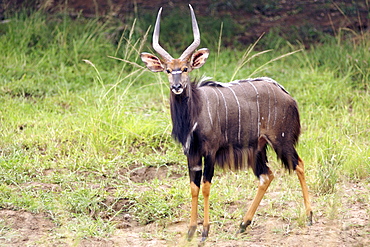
(76, 124)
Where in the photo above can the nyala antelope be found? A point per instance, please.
(227, 124)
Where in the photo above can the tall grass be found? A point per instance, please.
(77, 123)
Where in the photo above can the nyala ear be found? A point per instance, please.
(152, 62)
(199, 58)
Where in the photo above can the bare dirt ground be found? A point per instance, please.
(350, 226)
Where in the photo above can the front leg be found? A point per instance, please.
(194, 189)
(195, 173)
(207, 179)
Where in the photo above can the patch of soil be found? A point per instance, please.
(349, 227)
(141, 173)
(19, 228)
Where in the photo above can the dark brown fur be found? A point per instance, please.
(185, 112)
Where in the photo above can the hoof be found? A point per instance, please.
(243, 226)
(203, 239)
(309, 219)
(205, 233)
(191, 232)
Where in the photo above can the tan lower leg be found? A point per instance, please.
(194, 204)
(265, 181)
(306, 198)
(206, 191)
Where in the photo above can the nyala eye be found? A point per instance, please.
(168, 71)
(185, 69)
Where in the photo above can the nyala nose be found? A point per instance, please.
(176, 86)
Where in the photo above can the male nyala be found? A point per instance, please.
(227, 124)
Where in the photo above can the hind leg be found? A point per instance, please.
(265, 175)
(265, 180)
(289, 156)
(300, 173)
(292, 160)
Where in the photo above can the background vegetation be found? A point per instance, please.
(85, 137)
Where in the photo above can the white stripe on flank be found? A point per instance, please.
(275, 105)
(226, 113)
(218, 103)
(239, 113)
(249, 107)
(268, 117)
(258, 108)
(208, 107)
